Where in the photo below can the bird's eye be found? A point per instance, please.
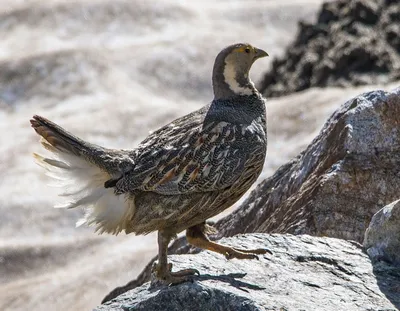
(247, 50)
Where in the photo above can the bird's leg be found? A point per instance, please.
(196, 236)
(163, 269)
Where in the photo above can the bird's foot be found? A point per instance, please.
(232, 252)
(196, 236)
(167, 277)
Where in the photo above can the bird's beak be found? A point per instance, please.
(260, 53)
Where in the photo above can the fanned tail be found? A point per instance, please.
(77, 168)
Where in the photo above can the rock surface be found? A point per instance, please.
(333, 188)
(382, 238)
(352, 43)
(304, 273)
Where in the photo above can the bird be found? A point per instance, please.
(178, 177)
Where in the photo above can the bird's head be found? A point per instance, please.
(231, 70)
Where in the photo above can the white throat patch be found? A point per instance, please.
(230, 79)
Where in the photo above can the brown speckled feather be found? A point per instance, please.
(180, 175)
(187, 172)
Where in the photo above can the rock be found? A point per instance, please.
(304, 273)
(333, 188)
(352, 43)
(382, 238)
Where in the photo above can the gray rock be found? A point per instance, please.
(333, 188)
(382, 238)
(304, 273)
(353, 42)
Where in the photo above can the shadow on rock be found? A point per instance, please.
(388, 280)
(231, 279)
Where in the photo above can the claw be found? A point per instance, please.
(245, 253)
(262, 251)
(185, 272)
(172, 278)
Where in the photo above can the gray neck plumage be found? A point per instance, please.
(231, 80)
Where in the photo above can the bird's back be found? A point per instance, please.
(184, 175)
(187, 171)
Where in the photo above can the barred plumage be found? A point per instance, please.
(179, 176)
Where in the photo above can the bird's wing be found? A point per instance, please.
(199, 158)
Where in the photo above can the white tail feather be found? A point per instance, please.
(83, 185)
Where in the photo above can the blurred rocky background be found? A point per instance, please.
(353, 42)
(111, 71)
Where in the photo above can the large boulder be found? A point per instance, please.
(333, 188)
(304, 273)
(382, 238)
(353, 42)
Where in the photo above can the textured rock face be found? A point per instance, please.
(352, 43)
(304, 273)
(382, 238)
(333, 188)
(338, 183)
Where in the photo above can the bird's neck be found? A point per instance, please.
(228, 82)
